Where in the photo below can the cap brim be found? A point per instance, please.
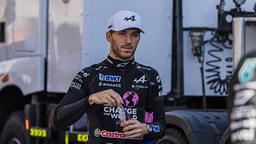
(120, 29)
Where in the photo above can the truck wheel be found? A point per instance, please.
(14, 131)
(173, 136)
(2, 117)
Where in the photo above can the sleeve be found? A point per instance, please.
(155, 106)
(75, 102)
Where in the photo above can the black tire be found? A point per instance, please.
(2, 117)
(14, 131)
(173, 136)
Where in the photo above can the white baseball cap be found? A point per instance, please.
(124, 19)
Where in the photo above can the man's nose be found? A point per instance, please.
(128, 38)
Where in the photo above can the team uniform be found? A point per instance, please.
(138, 85)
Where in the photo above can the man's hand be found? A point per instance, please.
(134, 129)
(106, 97)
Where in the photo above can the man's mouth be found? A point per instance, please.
(126, 47)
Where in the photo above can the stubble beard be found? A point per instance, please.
(121, 55)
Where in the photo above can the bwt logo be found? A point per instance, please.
(109, 78)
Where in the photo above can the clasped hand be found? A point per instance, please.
(133, 129)
(106, 97)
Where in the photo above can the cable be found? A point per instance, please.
(214, 80)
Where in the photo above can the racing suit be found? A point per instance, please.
(138, 85)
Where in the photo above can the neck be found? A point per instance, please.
(120, 63)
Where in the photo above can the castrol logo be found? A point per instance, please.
(109, 134)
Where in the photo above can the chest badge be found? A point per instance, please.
(139, 82)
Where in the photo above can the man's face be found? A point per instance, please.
(123, 43)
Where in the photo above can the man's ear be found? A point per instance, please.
(108, 36)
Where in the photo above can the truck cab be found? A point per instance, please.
(45, 43)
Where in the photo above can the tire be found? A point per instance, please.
(173, 136)
(14, 131)
(2, 117)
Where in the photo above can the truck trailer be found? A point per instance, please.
(44, 43)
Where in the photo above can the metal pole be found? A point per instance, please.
(179, 46)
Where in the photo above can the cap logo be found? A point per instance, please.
(110, 26)
(132, 18)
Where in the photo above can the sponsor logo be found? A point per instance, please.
(139, 83)
(114, 112)
(109, 134)
(131, 99)
(85, 74)
(109, 84)
(141, 79)
(137, 87)
(78, 78)
(76, 85)
(155, 128)
(109, 78)
(132, 18)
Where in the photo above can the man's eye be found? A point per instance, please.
(136, 34)
(121, 33)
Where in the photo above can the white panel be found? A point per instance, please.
(3, 51)
(26, 25)
(250, 32)
(2, 9)
(155, 46)
(25, 73)
(23, 28)
(65, 42)
(218, 59)
(3, 46)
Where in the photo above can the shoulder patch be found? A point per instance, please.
(85, 73)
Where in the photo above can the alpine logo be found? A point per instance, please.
(142, 79)
(132, 18)
(109, 78)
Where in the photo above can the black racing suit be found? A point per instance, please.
(138, 85)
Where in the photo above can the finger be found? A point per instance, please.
(130, 122)
(133, 133)
(131, 127)
(117, 97)
(110, 100)
(99, 100)
(135, 136)
(103, 99)
(122, 124)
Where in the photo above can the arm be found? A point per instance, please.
(155, 105)
(79, 99)
(74, 104)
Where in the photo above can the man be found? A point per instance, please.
(120, 96)
(242, 101)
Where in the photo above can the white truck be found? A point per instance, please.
(44, 43)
